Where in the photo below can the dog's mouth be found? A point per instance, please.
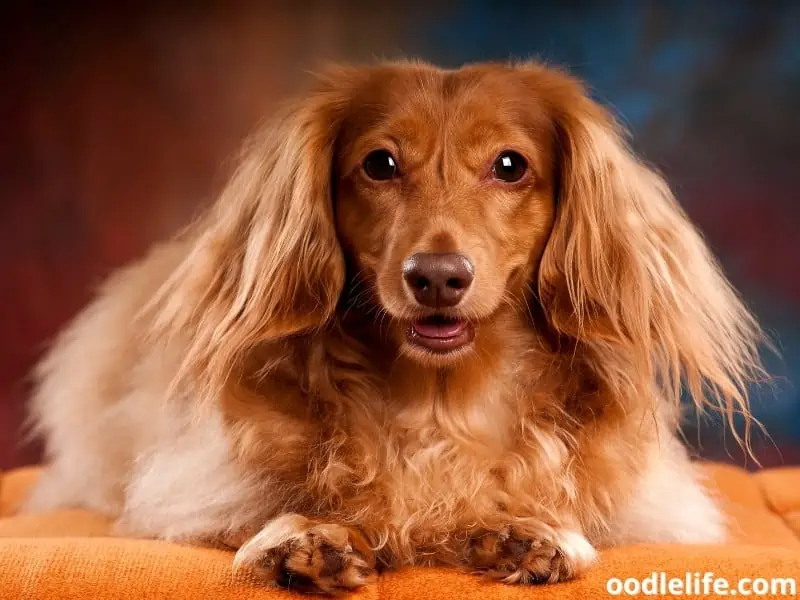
(440, 334)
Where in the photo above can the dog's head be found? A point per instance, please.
(445, 198)
(440, 198)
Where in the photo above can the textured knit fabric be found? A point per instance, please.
(67, 554)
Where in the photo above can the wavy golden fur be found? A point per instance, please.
(250, 383)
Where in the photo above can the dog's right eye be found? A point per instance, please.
(509, 167)
(380, 165)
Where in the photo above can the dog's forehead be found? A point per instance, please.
(428, 91)
(417, 102)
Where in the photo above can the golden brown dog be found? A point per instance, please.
(435, 317)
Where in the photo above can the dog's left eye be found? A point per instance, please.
(380, 165)
(509, 166)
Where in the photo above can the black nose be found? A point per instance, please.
(438, 280)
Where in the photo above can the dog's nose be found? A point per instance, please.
(438, 280)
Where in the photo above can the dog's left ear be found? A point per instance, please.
(264, 262)
(626, 275)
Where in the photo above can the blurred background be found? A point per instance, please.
(118, 124)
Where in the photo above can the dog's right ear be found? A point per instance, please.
(263, 263)
(628, 277)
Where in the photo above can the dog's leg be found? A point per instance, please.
(311, 556)
(531, 553)
(670, 504)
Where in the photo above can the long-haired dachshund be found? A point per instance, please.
(435, 317)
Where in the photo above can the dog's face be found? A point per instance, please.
(444, 199)
(441, 196)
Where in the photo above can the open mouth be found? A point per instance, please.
(440, 334)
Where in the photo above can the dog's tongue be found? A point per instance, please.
(439, 328)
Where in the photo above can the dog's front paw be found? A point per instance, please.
(513, 557)
(302, 555)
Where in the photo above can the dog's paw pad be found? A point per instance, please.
(325, 558)
(514, 558)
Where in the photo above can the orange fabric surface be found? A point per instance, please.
(65, 555)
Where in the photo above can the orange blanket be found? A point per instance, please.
(66, 555)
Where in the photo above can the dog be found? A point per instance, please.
(435, 317)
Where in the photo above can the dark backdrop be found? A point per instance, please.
(117, 126)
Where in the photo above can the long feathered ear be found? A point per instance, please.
(263, 263)
(627, 276)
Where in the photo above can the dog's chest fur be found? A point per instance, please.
(455, 449)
